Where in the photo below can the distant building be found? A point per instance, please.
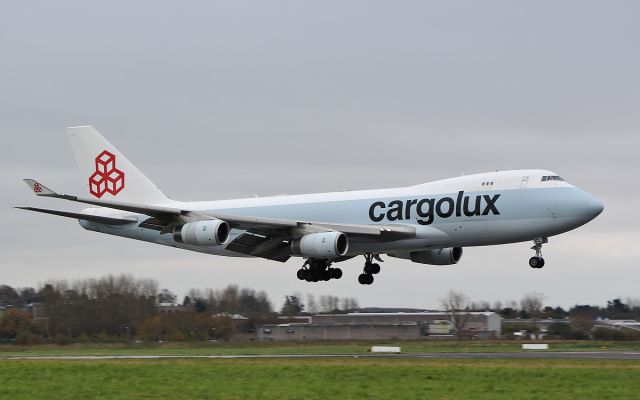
(170, 308)
(381, 326)
(235, 317)
(541, 326)
(619, 324)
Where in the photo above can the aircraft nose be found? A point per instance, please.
(594, 207)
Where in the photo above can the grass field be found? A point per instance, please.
(253, 348)
(320, 379)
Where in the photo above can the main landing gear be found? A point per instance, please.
(370, 269)
(537, 261)
(315, 270)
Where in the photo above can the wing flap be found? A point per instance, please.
(271, 248)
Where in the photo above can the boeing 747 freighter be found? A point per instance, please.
(428, 223)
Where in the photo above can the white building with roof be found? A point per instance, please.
(382, 325)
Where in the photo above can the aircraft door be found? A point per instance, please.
(525, 182)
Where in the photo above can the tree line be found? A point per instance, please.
(531, 308)
(125, 308)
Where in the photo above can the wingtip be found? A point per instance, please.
(38, 188)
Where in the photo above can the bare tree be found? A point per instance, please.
(456, 304)
(531, 303)
(633, 302)
(350, 304)
(480, 306)
(312, 307)
(329, 303)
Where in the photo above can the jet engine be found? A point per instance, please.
(445, 256)
(202, 233)
(321, 245)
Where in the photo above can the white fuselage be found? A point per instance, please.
(473, 210)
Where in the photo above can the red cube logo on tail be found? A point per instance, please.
(107, 178)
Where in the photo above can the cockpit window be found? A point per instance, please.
(551, 178)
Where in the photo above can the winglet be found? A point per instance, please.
(39, 189)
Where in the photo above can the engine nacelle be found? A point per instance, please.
(445, 256)
(202, 233)
(321, 245)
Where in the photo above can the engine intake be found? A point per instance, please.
(321, 245)
(202, 233)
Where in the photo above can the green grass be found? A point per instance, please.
(320, 379)
(256, 348)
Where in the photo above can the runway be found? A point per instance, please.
(567, 355)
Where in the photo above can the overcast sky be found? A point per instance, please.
(226, 100)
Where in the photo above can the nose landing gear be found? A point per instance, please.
(370, 269)
(537, 261)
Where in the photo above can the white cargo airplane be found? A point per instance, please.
(428, 223)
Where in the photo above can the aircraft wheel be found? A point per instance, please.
(536, 262)
(369, 279)
(301, 274)
(375, 268)
(315, 276)
(336, 273)
(365, 279)
(308, 276)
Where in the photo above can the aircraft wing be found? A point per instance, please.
(86, 217)
(271, 238)
(258, 224)
(267, 225)
(265, 237)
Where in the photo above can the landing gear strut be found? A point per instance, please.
(537, 261)
(370, 269)
(314, 270)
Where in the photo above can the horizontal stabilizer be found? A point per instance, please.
(151, 210)
(85, 217)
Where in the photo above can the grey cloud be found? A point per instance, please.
(228, 99)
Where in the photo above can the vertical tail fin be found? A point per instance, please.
(106, 172)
